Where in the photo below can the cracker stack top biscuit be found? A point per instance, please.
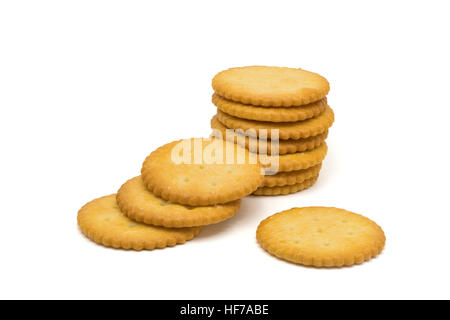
(270, 86)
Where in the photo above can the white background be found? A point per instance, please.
(89, 88)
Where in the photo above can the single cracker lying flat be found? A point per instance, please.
(284, 190)
(292, 177)
(285, 146)
(321, 237)
(301, 160)
(139, 204)
(102, 221)
(270, 86)
(269, 114)
(287, 130)
(197, 181)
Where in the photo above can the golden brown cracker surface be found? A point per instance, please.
(270, 86)
(198, 182)
(321, 237)
(139, 204)
(102, 221)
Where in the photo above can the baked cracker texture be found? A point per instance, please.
(284, 190)
(200, 183)
(287, 130)
(270, 114)
(139, 204)
(321, 237)
(270, 86)
(285, 146)
(102, 221)
(292, 177)
(301, 160)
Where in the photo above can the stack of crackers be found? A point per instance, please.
(188, 184)
(180, 190)
(285, 107)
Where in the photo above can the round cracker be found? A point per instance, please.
(284, 190)
(301, 160)
(285, 146)
(287, 130)
(270, 86)
(292, 177)
(321, 237)
(102, 221)
(202, 183)
(269, 114)
(139, 204)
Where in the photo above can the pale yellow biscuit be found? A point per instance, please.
(285, 146)
(287, 130)
(139, 204)
(102, 221)
(284, 190)
(291, 177)
(199, 182)
(269, 114)
(321, 237)
(270, 86)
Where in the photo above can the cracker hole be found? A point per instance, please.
(214, 183)
(186, 179)
(132, 225)
(202, 167)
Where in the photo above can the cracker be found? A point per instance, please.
(321, 237)
(292, 177)
(285, 146)
(270, 114)
(284, 190)
(287, 130)
(270, 86)
(102, 221)
(202, 183)
(302, 160)
(139, 204)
